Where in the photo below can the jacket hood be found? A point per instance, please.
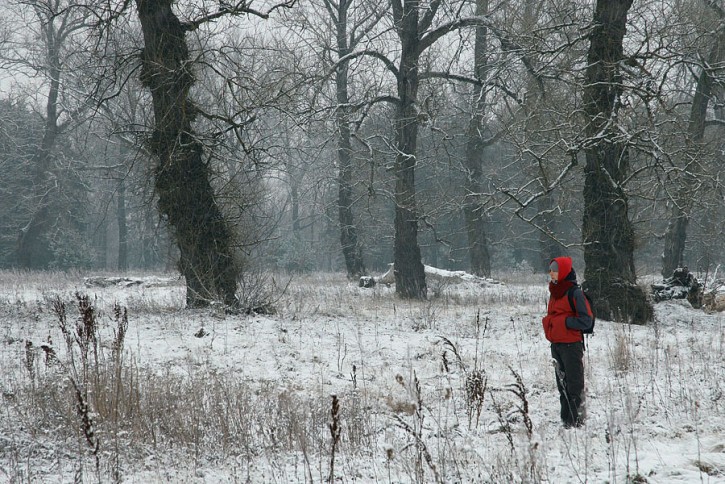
(565, 269)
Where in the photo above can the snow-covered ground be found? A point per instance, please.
(204, 396)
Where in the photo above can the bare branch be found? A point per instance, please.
(430, 13)
(241, 7)
(431, 37)
(471, 80)
(369, 53)
(366, 26)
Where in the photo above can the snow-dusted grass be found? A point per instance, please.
(458, 388)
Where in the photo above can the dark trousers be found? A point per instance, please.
(569, 368)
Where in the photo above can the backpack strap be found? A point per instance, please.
(570, 297)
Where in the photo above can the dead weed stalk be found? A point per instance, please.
(416, 432)
(335, 431)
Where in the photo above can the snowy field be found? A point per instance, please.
(345, 385)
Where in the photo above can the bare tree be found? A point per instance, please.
(58, 22)
(349, 32)
(186, 196)
(473, 211)
(537, 123)
(409, 273)
(690, 176)
(19, 130)
(607, 230)
(182, 180)
(541, 45)
(417, 34)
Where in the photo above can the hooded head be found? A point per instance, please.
(562, 266)
(563, 276)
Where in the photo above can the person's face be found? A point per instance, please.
(554, 275)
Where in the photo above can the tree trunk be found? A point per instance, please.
(295, 207)
(673, 255)
(33, 249)
(351, 249)
(675, 238)
(607, 231)
(149, 241)
(548, 247)
(122, 227)
(473, 185)
(409, 273)
(186, 197)
(100, 243)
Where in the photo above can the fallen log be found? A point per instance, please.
(432, 274)
(681, 285)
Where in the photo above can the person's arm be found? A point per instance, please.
(582, 320)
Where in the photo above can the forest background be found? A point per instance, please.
(264, 155)
(222, 139)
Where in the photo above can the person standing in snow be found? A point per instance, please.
(567, 342)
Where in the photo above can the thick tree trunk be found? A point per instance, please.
(186, 197)
(479, 256)
(351, 249)
(673, 255)
(607, 231)
(409, 272)
(472, 210)
(675, 238)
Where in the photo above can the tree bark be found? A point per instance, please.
(351, 249)
(186, 197)
(473, 184)
(673, 255)
(409, 272)
(607, 231)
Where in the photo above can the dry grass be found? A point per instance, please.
(208, 414)
(621, 355)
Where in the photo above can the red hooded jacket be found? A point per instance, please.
(559, 308)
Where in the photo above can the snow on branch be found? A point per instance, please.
(240, 7)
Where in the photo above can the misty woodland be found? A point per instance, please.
(306, 240)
